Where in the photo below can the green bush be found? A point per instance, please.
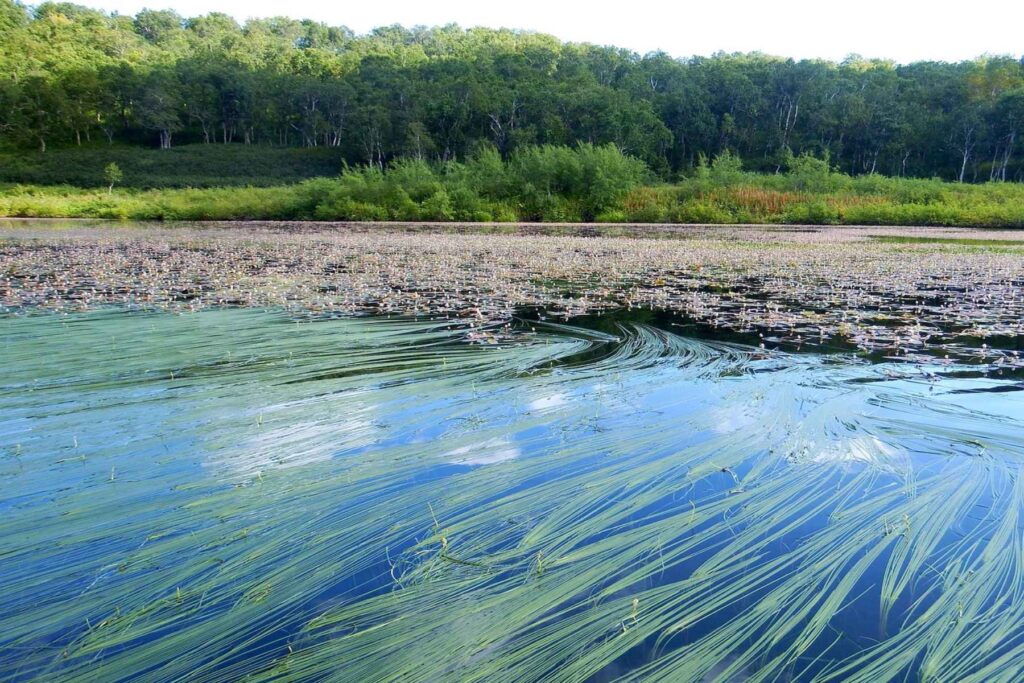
(809, 174)
(612, 216)
(817, 212)
(726, 169)
(503, 213)
(572, 183)
(549, 183)
(437, 207)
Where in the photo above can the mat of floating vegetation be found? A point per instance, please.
(253, 495)
(931, 292)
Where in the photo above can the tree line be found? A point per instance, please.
(77, 76)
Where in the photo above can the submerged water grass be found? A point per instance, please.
(242, 495)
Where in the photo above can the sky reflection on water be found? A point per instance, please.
(241, 493)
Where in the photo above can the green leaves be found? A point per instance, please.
(439, 93)
(112, 174)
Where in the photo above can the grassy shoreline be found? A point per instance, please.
(303, 201)
(545, 184)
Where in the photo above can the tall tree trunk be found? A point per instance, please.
(1010, 140)
(966, 149)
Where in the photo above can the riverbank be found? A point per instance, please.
(548, 185)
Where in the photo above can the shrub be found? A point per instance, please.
(503, 213)
(809, 174)
(612, 216)
(726, 169)
(437, 207)
(590, 178)
(814, 212)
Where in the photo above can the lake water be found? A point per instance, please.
(246, 494)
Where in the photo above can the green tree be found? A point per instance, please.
(112, 175)
(69, 73)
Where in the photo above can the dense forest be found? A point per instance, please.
(76, 76)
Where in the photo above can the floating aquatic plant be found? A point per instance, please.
(833, 287)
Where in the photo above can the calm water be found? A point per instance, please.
(239, 494)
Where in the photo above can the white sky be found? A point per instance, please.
(903, 30)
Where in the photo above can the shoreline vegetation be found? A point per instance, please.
(161, 117)
(543, 183)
